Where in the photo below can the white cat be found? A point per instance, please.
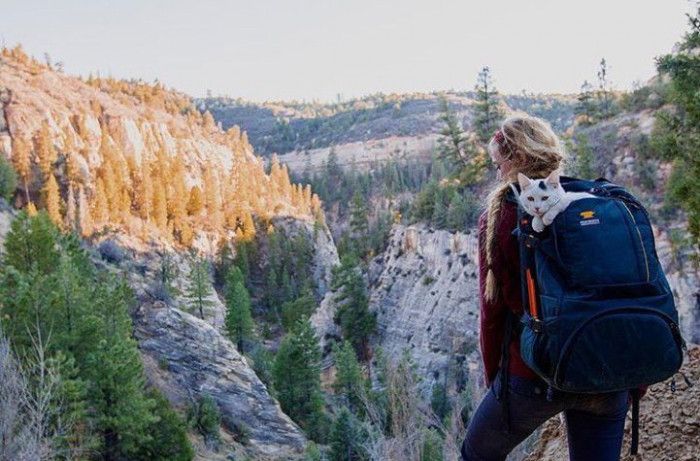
(544, 199)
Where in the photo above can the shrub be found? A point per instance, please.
(8, 179)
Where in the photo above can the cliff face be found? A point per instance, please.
(425, 293)
(104, 153)
(186, 357)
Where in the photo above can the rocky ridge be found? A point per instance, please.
(186, 358)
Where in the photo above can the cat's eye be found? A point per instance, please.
(532, 199)
(545, 198)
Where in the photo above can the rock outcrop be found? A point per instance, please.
(186, 357)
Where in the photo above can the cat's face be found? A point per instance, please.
(537, 196)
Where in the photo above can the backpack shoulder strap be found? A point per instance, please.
(528, 270)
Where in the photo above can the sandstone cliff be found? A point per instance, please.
(105, 153)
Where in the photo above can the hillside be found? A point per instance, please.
(144, 177)
(283, 127)
(103, 153)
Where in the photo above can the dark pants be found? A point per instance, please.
(595, 423)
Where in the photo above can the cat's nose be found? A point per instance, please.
(537, 209)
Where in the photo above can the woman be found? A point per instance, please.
(595, 423)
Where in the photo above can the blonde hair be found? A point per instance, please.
(534, 150)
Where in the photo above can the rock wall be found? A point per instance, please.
(425, 293)
(186, 357)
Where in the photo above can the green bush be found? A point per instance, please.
(8, 179)
(206, 418)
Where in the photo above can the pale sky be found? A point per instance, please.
(315, 49)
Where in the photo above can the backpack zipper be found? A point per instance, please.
(639, 234)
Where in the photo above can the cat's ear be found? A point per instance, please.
(553, 179)
(524, 181)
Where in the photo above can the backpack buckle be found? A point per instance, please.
(536, 325)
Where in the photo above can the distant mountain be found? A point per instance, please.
(282, 127)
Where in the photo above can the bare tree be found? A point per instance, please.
(33, 419)
(20, 435)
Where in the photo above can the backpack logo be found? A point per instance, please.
(588, 219)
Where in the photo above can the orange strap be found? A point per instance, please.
(532, 299)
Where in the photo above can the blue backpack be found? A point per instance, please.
(599, 315)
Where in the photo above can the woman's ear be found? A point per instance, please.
(524, 181)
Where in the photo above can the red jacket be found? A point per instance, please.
(506, 268)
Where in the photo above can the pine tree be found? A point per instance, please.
(52, 199)
(31, 244)
(100, 204)
(273, 297)
(487, 112)
(169, 441)
(584, 160)
(356, 321)
(439, 217)
(604, 94)
(206, 417)
(239, 322)
(460, 212)
(45, 151)
(676, 133)
(248, 226)
(349, 383)
(346, 438)
(298, 380)
(144, 193)
(585, 106)
(48, 283)
(359, 222)
(241, 260)
(115, 370)
(195, 204)
(21, 157)
(8, 179)
(300, 308)
(452, 141)
(160, 205)
(200, 285)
